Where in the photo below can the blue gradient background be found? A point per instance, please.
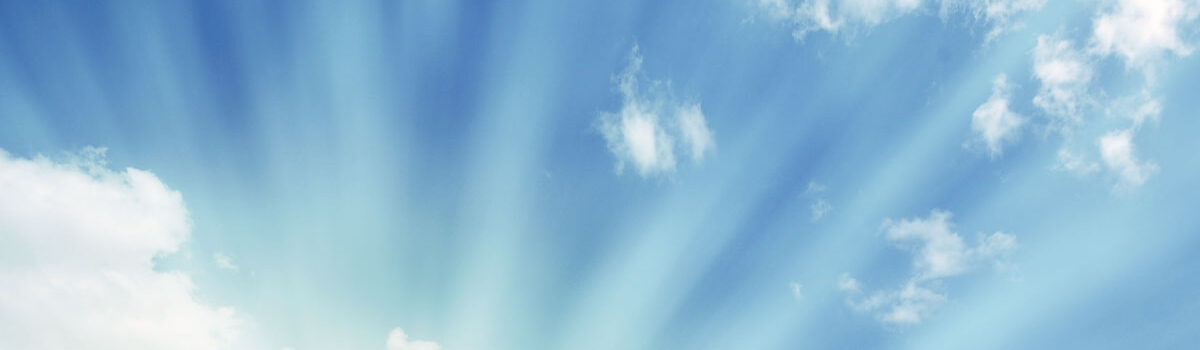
(433, 165)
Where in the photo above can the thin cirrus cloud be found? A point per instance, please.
(937, 254)
(224, 262)
(80, 243)
(834, 17)
(652, 126)
(819, 206)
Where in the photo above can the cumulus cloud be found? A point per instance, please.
(77, 264)
(1142, 34)
(398, 340)
(938, 253)
(1142, 31)
(993, 121)
(224, 262)
(651, 125)
(1066, 75)
(834, 16)
(1116, 150)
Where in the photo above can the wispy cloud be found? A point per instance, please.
(819, 206)
(937, 253)
(832, 16)
(797, 290)
(224, 262)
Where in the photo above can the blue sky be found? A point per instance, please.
(725, 174)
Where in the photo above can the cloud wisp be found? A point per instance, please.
(847, 16)
(224, 262)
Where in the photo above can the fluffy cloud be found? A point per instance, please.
(938, 253)
(1116, 150)
(651, 125)
(993, 121)
(1066, 74)
(832, 16)
(1142, 31)
(398, 340)
(77, 264)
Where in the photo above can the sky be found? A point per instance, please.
(712, 174)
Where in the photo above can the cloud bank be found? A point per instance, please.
(77, 261)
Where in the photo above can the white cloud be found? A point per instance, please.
(77, 264)
(651, 125)
(911, 304)
(938, 253)
(398, 340)
(1116, 150)
(224, 262)
(1064, 73)
(834, 16)
(797, 290)
(1142, 31)
(994, 121)
(1141, 34)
